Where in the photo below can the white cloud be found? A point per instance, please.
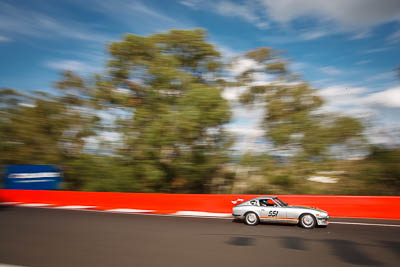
(241, 65)
(17, 20)
(343, 99)
(389, 98)
(363, 62)
(139, 15)
(394, 37)
(190, 3)
(346, 100)
(357, 101)
(361, 35)
(124, 6)
(353, 14)
(246, 127)
(246, 131)
(249, 137)
(246, 121)
(331, 70)
(226, 51)
(385, 134)
(227, 8)
(341, 90)
(233, 93)
(73, 65)
(375, 50)
(299, 66)
(357, 17)
(262, 78)
(247, 11)
(4, 39)
(262, 25)
(312, 35)
(342, 95)
(381, 76)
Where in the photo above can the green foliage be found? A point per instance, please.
(169, 118)
(284, 181)
(260, 55)
(175, 137)
(293, 118)
(105, 173)
(382, 168)
(41, 130)
(160, 95)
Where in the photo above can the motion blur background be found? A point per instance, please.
(249, 97)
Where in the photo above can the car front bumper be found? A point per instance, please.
(323, 220)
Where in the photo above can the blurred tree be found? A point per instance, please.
(165, 84)
(294, 120)
(159, 104)
(40, 129)
(382, 169)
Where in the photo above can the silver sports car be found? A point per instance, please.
(272, 209)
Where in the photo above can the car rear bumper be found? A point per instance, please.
(237, 216)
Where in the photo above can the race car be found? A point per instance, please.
(272, 209)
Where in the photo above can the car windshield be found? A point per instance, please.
(280, 202)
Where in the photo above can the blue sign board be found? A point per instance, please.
(32, 177)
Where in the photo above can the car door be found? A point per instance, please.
(271, 211)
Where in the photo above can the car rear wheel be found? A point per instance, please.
(251, 219)
(307, 221)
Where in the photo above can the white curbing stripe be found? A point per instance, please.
(75, 207)
(201, 214)
(368, 224)
(34, 205)
(129, 210)
(9, 203)
(196, 214)
(9, 265)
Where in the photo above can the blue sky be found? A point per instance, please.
(347, 48)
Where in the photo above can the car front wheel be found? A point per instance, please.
(307, 221)
(251, 219)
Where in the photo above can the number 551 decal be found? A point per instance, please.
(273, 213)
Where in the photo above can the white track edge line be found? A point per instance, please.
(207, 217)
(33, 205)
(74, 207)
(129, 210)
(10, 265)
(368, 224)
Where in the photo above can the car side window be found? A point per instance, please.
(254, 203)
(267, 203)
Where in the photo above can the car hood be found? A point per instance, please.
(306, 207)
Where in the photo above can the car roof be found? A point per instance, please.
(262, 197)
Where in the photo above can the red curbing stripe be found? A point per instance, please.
(381, 207)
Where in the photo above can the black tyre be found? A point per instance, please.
(307, 221)
(251, 219)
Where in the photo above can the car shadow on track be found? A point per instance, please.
(346, 251)
(349, 252)
(393, 246)
(4, 206)
(268, 223)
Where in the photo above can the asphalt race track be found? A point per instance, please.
(50, 237)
